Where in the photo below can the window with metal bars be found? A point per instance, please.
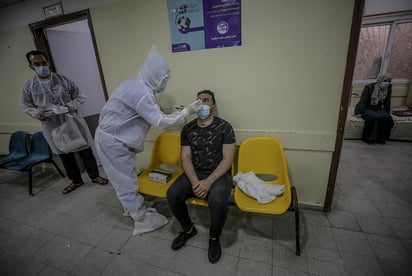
(385, 48)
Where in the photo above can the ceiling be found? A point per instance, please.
(6, 3)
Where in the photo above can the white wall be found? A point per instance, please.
(27, 12)
(285, 80)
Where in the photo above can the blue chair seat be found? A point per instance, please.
(39, 152)
(22, 163)
(17, 148)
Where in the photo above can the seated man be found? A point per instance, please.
(207, 151)
(374, 107)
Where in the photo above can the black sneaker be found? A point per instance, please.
(215, 251)
(182, 238)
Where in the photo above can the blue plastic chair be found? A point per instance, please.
(39, 153)
(17, 147)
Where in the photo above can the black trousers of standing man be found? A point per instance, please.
(72, 169)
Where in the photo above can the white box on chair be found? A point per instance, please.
(159, 176)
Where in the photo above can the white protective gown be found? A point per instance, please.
(40, 94)
(124, 123)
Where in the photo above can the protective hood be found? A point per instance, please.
(155, 70)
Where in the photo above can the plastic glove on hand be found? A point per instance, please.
(192, 108)
(195, 106)
(59, 109)
(177, 107)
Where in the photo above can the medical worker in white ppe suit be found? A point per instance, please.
(124, 122)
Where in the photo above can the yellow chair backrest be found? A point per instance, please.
(263, 155)
(166, 150)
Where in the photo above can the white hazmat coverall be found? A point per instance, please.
(124, 123)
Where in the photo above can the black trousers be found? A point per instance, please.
(378, 125)
(72, 169)
(218, 199)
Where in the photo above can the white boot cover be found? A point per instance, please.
(151, 221)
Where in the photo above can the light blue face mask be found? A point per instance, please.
(42, 71)
(203, 112)
(162, 85)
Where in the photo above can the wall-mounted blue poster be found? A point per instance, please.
(203, 24)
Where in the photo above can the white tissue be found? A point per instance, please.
(251, 185)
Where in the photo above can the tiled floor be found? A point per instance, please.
(368, 231)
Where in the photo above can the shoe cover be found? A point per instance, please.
(149, 222)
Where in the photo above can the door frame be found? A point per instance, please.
(38, 30)
(344, 101)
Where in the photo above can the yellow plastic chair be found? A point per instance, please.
(166, 151)
(197, 201)
(264, 156)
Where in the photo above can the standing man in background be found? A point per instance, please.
(47, 90)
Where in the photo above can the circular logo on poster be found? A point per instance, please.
(183, 23)
(222, 27)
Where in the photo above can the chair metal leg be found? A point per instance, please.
(30, 182)
(296, 211)
(57, 168)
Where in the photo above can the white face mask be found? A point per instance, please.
(384, 84)
(42, 71)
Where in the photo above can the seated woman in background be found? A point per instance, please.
(374, 107)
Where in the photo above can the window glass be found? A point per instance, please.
(371, 48)
(400, 61)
